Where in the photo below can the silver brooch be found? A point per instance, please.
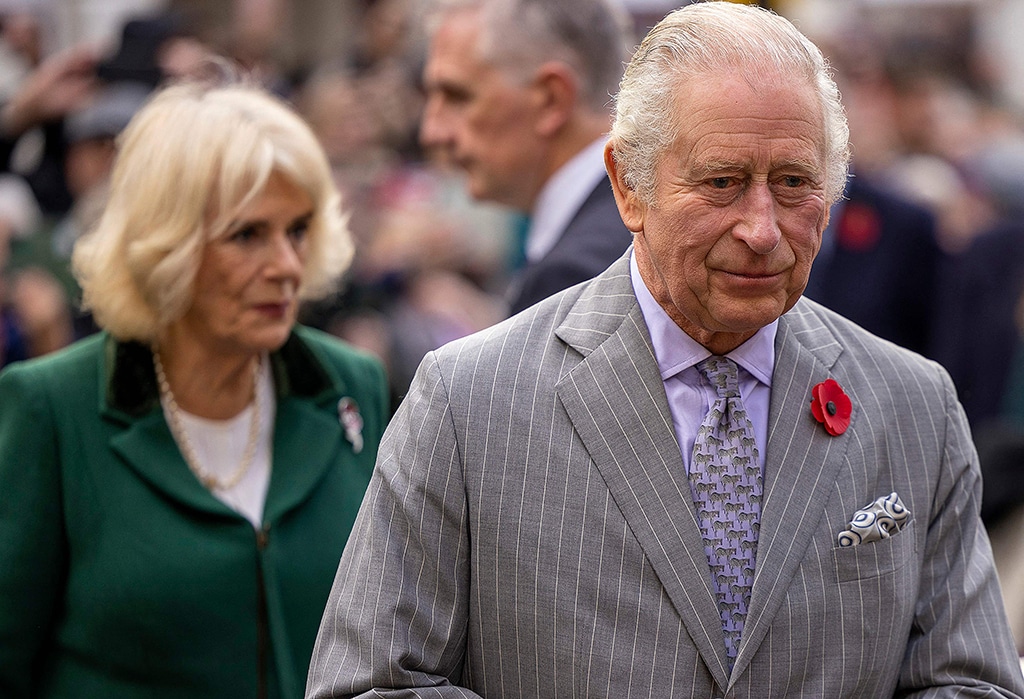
(352, 421)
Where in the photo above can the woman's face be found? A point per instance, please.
(246, 290)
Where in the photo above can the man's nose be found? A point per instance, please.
(434, 129)
(759, 227)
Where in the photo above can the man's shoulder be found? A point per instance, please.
(817, 326)
(597, 224)
(530, 326)
(593, 306)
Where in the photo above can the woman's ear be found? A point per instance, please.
(631, 208)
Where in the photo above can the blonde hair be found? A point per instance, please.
(709, 37)
(188, 162)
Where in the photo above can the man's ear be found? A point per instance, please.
(556, 89)
(631, 208)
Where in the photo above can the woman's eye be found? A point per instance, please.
(299, 230)
(244, 234)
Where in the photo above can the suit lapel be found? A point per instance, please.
(802, 464)
(616, 400)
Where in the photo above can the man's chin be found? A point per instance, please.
(479, 191)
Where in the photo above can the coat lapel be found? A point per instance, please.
(616, 400)
(306, 424)
(802, 464)
(130, 397)
(302, 428)
(147, 446)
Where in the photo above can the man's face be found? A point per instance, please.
(739, 207)
(478, 118)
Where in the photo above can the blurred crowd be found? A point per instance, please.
(431, 263)
(927, 248)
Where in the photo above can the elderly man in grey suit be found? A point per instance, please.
(518, 95)
(680, 479)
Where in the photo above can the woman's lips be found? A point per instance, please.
(274, 310)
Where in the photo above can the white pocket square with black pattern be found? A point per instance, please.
(879, 520)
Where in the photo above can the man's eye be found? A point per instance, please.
(721, 182)
(455, 95)
(792, 181)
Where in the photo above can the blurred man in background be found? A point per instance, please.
(518, 96)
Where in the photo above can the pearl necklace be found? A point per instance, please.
(209, 480)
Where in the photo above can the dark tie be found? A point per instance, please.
(725, 479)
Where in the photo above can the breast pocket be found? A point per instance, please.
(877, 558)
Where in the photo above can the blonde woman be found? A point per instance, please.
(177, 490)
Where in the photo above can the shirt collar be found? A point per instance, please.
(562, 196)
(676, 351)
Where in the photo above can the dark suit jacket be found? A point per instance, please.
(529, 529)
(594, 238)
(980, 298)
(879, 264)
(979, 341)
(121, 575)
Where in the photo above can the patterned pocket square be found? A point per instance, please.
(879, 520)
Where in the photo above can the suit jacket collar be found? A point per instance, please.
(306, 424)
(616, 400)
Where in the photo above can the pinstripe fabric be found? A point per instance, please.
(529, 530)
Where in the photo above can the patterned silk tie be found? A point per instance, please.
(725, 479)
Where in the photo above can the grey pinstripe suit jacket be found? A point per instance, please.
(529, 530)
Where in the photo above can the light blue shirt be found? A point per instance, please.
(690, 396)
(561, 198)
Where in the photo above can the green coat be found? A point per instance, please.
(122, 576)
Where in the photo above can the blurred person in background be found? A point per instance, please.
(19, 216)
(31, 123)
(388, 60)
(980, 293)
(981, 328)
(426, 259)
(880, 255)
(57, 127)
(518, 96)
(878, 264)
(178, 488)
(89, 132)
(957, 146)
(429, 261)
(150, 50)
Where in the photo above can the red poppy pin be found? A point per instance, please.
(831, 406)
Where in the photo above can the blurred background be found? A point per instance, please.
(926, 249)
(934, 90)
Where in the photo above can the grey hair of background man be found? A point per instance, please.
(706, 38)
(594, 37)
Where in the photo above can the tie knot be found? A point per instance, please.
(723, 375)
